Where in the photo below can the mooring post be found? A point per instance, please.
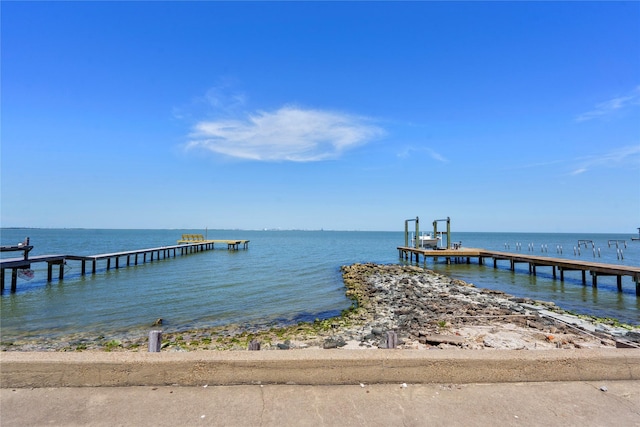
(155, 341)
(391, 339)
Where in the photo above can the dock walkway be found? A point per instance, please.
(112, 259)
(558, 265)
(199, 238)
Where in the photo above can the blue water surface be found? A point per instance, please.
(284, 277)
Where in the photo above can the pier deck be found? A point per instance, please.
(199, 238)
(112, 259)
(558, 265)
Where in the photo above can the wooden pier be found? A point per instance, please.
(113, 260)
(232, 245)
(558, 265)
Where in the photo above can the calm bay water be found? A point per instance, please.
(285, 276)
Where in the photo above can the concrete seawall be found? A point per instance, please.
(314, 367)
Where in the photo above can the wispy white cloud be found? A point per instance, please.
(578, 171)
(628, 157)
(407, 152)
(287, 134)
(611, 106)
(223, 100)
(619, 157)
(437, 156)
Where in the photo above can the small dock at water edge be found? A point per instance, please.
(558, 265)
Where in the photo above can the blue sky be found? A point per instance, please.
(504, 116)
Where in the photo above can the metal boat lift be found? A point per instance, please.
(435, 231)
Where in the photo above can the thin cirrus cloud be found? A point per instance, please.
(407, 152)
(622, 156)
(611, 106)
(627, 157)
(287, 134)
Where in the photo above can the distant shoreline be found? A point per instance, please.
(630, 233)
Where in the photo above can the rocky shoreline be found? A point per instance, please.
(395, 306)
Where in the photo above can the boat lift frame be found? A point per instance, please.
(448, 232)
(406, 232)
(435, 231)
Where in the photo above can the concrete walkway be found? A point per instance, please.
(322, 387)
(505, 404)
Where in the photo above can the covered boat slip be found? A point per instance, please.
(116, 259)
(557, 264)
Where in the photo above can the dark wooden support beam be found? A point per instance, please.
(14, 279)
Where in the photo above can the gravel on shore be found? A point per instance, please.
(394, 306)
